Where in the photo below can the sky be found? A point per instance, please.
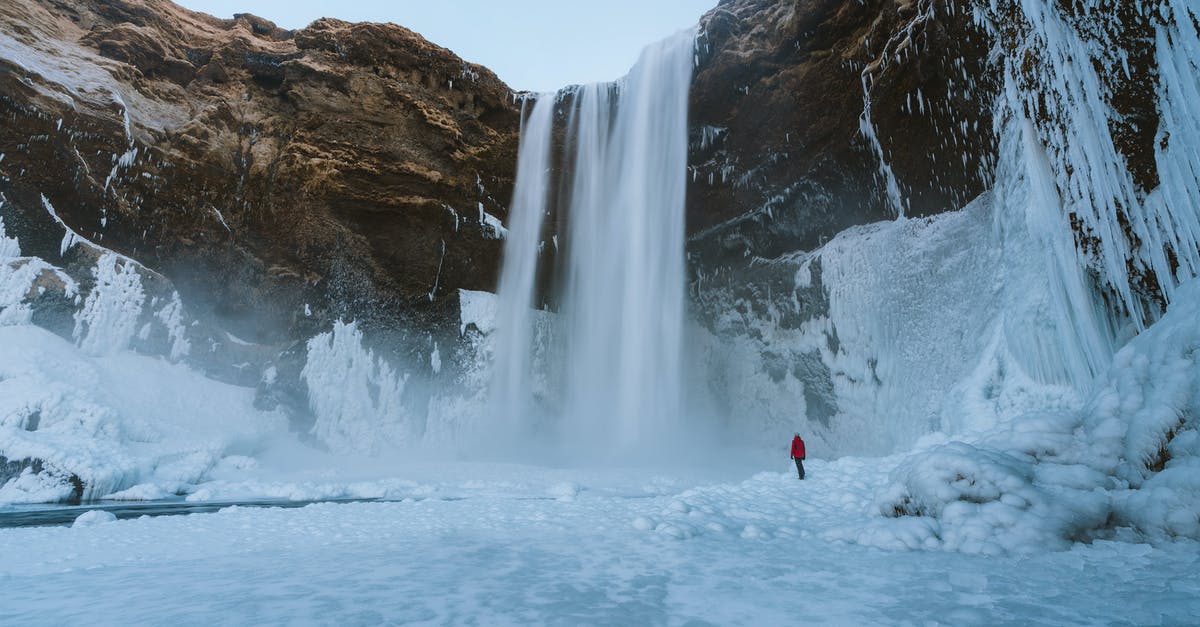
(536, 45)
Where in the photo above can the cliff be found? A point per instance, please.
(280, 179)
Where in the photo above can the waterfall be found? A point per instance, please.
(511, 390)
(621, 311)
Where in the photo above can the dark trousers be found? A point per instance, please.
(799, 466)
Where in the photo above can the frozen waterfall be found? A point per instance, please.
(619, 332)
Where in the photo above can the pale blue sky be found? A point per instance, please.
(538, 45)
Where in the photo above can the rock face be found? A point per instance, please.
(280, 179)
(810, 117)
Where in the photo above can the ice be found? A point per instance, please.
(21, 279)
(729, 549)
(357, 397)
(478, 309)
(1128, 458)
(493, 228)
(171, 315)
(113, 420)
(9, 246)
(1054, 70)
(221, 219)
(108, 320)
(70, 237)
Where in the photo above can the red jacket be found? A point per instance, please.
(797, 448)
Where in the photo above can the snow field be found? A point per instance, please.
(755, 551)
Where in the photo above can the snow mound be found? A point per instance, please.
(83, 426)
(1128, 461)
(93, 518)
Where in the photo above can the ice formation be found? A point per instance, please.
(90, 418)
(108, 320)
(357, 398)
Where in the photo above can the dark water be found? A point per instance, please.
(47, 515)
(50, 515)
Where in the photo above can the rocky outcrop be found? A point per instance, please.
(280, 179)
(810, 117)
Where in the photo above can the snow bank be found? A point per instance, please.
(85, 426)
(93, 518)
(1129, 460)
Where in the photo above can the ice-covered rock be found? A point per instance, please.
(94, 517)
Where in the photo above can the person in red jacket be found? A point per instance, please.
(798, 454)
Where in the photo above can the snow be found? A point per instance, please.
(221, 218)
(71, 73)
(478, 309)
(9, 246)
(92, 518)
(70, 237)
(171, 315)
(237, 340)
(19, 277)
(492, 227)
(707, 549)
(108, 320)
(114, 420)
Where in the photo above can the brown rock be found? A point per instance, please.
(781, 88)
(340, 166)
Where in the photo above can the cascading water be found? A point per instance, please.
(512, 399)
(622, 306)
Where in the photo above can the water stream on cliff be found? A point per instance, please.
(511, 398)
(622, 303)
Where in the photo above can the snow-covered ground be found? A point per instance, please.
(533, 545)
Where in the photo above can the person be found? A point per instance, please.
(798, 454)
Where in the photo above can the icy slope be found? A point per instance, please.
(98, 425)
(85, 418)
(1127, 464)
